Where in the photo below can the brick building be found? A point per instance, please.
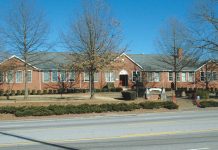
(146, 68)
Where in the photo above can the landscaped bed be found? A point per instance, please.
(83, 109)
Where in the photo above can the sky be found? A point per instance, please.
(141, 20)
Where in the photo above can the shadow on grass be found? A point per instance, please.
(38, 141)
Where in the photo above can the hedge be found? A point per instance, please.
(209, 104)
(81, 109)
(129, 95)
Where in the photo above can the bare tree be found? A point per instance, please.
(175, 45)
(26, 34)
(94, 40)
(204, 18)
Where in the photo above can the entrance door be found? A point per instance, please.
(124, 80)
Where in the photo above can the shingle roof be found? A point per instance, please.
(51, 60)
(151, 62)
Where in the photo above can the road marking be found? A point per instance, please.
(204, 148)
(109, 138)
(92, 126)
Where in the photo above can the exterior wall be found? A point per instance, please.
(19, 66)
(165, 83)
(123, 65)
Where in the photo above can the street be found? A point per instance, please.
(190, 130)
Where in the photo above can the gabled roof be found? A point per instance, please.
(151, 62)
(16, 57)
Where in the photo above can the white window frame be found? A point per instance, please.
(182, 73)
(97, 73)
(65, 72)
(137, 73)
(52, 72)
(153, 76)
(69, 76)
(111, 74)
(200, 75)
(12, 76)
(169, 76)
(21, 76)
(31, 73)
(178, 74)
(193, 78)
(44, 76)
(215, 75)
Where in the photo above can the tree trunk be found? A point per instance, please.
(25, 82)
(92, 87)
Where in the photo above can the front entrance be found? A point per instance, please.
(124, 80)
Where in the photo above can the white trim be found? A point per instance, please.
(185, 76)
(94, 77)
(110, 81)
(14, 56)
(68, 76)
(52, 76)
(21, 76)
(193, 80)
(137, 72)
(204, 76)
(31, 76)
(169, 76)
(43, 75)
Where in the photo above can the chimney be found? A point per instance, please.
(179, 53)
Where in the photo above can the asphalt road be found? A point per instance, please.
(191, 130)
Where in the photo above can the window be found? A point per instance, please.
(1, 77)
(54, 76)
(29, 76)
(19, 76)
(46, 76)
(177, 76)
(170, 76)
(86, 77)
(72, 75)
(153, 76)
(135, 75)
(62, 76)
(109, 76)
(184, 77)
(202, 76)
(10, 76)
(191, 77)
(214, 76)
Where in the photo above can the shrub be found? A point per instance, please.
(113, 89)
(39, 92)
(23, 92)
(54, 91)
(129, 95)
(50, 91)
(209, 104)
(81, 109)
(13, 92)
(45, 92)
(97, 90)
(150, 105)
(170, 105)
(33, 92)
(204, 94)
(119, 89)
(1, 92)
